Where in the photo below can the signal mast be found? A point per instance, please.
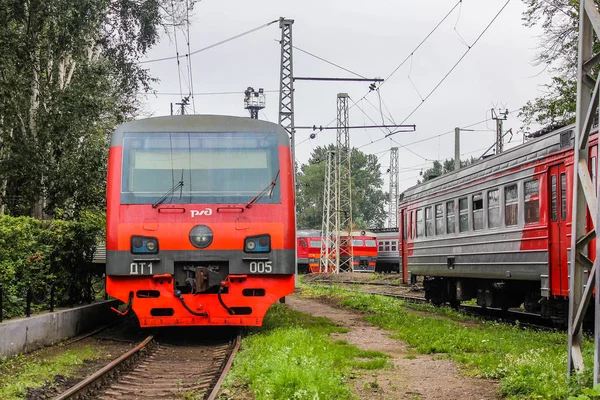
(254, 101)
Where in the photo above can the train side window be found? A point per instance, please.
(404, 225)
(428, 222)
(387, 245)
(450, 217)
(493, 209)
(439, 219)
(554, 203)
(563, 196)
(412, 224)
(303, 243)
(380, 247)
(463, 214)
(511, 205)
(419, 223)
(532, 201)
(477, 212)
(394, 245)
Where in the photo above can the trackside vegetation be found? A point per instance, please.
(291, 357)
(529, 364)
(39, 253)
(18, 374)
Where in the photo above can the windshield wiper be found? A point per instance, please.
(270, 187)
(169, 193)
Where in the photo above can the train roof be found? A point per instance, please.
(553, 142)
(308, 233)
(199, 123)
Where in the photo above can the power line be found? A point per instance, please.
(458, 62)
(329, 62)
(202, 93)
(213, 45)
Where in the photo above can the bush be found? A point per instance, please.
(40, 253)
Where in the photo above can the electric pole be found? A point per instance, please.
(584, 197)
(329, 250)
(499, 117)
(394, 167)
(344, 185)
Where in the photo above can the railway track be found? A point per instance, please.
(160, 369)
(524, 319)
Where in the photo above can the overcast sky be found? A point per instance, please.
(370, 38)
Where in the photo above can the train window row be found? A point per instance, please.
(475, 214)
(367, 242)
(388, 245)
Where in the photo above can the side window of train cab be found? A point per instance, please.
(532, 201)
(463, 214)
(420, 223)
(428, 222)
(493, 209)
(477, 212)
(511, 205)
(450, 216)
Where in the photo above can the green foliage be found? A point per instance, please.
(559, 20)
(39, 253)
(291, 357)
(439, 169)
(69, 73)
(17, 374)
(529, 364)
(368, 199)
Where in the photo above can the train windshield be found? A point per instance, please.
(214, 167)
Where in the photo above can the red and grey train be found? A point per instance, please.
(498, 230)
(200, 219)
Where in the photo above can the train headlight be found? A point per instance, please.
(144, 245)
(201, 236)
(257, 244)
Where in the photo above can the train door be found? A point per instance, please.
(558, 240)
(403, 261)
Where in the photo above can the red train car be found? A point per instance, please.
(308, 244)
(498, 230)
(200, 219)
(363, 247)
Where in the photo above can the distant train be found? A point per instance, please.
(363, 248)
(388, 252)
(499, 230)
(200, 219)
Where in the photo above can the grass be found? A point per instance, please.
(529, 364)
(21, 372)
(292, 357)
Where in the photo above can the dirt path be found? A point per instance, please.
(412, 377)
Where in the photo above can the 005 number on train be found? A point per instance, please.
(261, 267)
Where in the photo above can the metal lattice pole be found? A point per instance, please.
(329, 256)
(286, 79)
(584, 195)
(344, 183)
(394, 167)
(286, 106)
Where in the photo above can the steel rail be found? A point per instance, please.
(80, 388)
(215, 391)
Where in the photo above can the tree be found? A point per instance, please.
(368, 199)
(559, 20)
(69, 74)
(439, 169)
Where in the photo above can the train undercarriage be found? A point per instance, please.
(492, 293)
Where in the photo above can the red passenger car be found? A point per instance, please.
(200, 219)
(498, 230)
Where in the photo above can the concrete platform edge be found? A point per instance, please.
(23, 335)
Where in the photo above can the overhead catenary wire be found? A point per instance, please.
(329, 62)
(213, 45)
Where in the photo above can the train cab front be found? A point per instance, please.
(200, 225)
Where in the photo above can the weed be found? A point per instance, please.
(17, 374)
(291, 357)
(530, 364)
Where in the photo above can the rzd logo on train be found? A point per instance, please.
(199, 213)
